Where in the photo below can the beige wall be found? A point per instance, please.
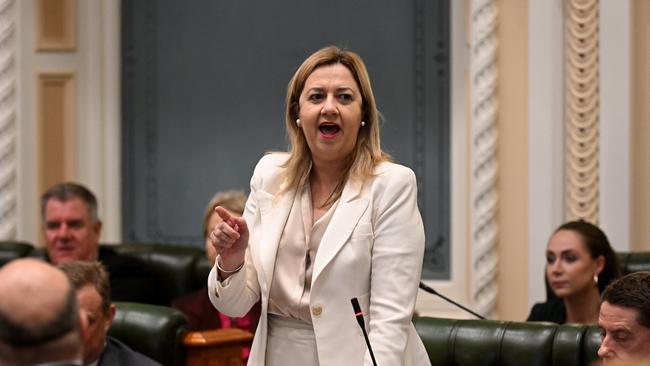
(512, 302)
(640, 128)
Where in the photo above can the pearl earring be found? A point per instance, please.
(363, 123)
(596, 279)
(298, 122)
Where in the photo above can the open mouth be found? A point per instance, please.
(329, 130)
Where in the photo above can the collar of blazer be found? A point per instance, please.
(274, 212)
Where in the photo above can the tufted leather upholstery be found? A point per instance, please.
(178, 270)
(634, 261)
(10, 250)
(155, 331)
(505, 343)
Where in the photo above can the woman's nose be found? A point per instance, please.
(556, 267)
(329, 106)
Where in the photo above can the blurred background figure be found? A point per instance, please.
(580, 263)
(93, 292)
(40, 322)
(200, 313)
(624, 320)
(72, 229)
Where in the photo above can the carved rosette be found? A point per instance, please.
(7, 122)
(484, 198)
(582, 110)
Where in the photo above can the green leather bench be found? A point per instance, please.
(159, 332)
(156, 331)
(177, 270)
(505, 343)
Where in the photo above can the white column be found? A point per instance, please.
(615, 99)
(546, 142)
(484, 166)
(98, 130)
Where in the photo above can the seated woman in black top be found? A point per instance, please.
(580, 263)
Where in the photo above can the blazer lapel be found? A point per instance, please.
(274, 212)
(350, 208)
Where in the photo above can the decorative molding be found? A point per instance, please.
(56, 128)
(582, 110)
(8, 107)
(56, 26)
(484, 166)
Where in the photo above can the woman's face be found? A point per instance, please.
(570, 269)
(330, 113)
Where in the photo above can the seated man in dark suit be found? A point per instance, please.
(40, 322)
(91, 283)
(72, 229)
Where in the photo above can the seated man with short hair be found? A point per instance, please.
(71, 228)
(624, 319)
(90, 280)
(40, 322)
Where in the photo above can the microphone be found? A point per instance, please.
(359, 315)
(434, 292)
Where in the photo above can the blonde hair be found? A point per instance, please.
(233, 201)
(367, 152)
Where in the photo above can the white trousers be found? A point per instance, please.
(290, 342)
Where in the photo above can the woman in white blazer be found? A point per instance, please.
(330, 220)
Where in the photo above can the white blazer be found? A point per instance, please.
(372, 250)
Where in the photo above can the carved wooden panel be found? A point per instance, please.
(56, 25)
(56, 128)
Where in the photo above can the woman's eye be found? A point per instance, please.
(345, 97)
(315, 97)
(570, 258)
(550, 259)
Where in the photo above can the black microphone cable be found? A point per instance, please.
(434, 292)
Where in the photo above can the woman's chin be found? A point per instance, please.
(562, 293)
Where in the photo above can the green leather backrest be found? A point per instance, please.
(174, 267)
(505, 343)
(155, 331)
(10, 250)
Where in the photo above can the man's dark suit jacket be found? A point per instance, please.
(117, 353)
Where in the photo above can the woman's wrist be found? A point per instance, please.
(221, 268)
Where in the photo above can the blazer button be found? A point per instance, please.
(316, 310)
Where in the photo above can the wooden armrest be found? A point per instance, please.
(218, 347)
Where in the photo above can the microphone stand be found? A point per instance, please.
(434, 292)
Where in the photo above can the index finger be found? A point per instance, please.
(223, 213)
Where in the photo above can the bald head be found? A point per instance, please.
(38, 310)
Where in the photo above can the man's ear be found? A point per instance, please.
(110, 314)
(83, 323)
(97, 227)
